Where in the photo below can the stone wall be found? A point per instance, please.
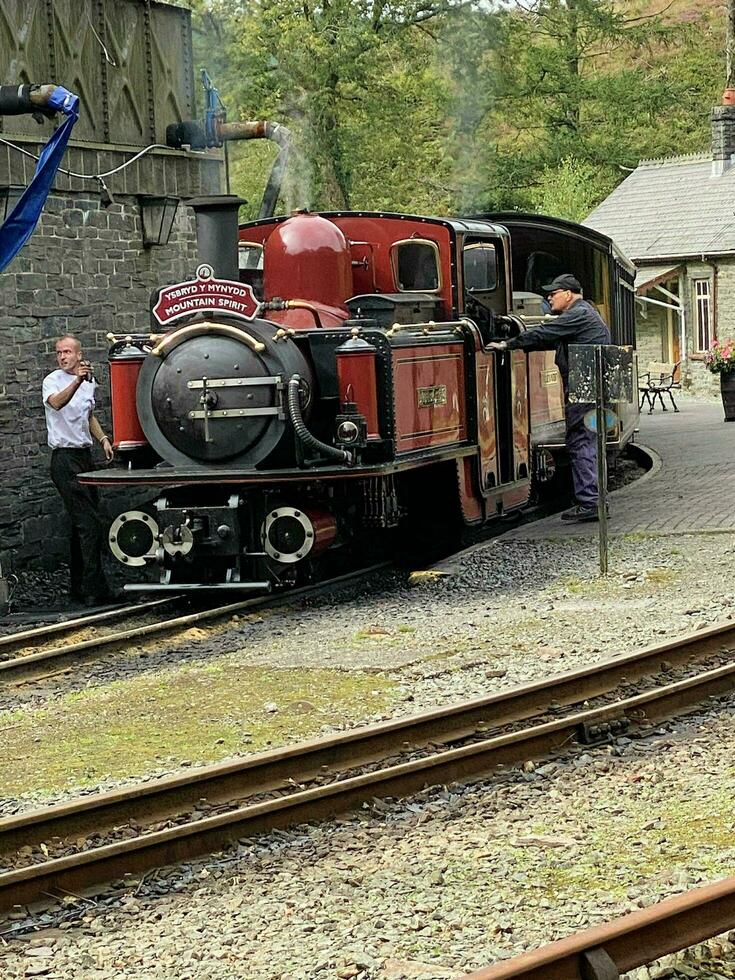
(651, 333)
(84, 272)
(652, 330)
(721, 275)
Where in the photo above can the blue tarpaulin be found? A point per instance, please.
(18, 226)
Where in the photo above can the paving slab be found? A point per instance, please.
(690, 489)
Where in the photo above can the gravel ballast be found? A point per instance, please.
(455, 878)
(450, 880)
(512, 612)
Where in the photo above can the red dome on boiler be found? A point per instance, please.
(308, 257)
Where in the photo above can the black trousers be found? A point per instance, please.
(86, 530)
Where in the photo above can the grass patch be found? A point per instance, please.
(195, 713)
(662, 576)
(696, 830)
(573, 585)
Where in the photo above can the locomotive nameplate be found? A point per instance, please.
(433, 396)
(205, 294)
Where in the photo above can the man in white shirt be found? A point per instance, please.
(68, 400)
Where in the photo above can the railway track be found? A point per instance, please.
(25, 657)
(605, 952)
(11, 643)
(177, 818)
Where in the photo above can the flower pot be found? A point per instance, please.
(727, 390)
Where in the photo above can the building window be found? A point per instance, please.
(703, 313)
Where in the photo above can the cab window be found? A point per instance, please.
(480, 267)
(416, 266)
(250, 255)
(250, 265)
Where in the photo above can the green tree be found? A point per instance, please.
(584, 80)
(353, 79)
(448, 105)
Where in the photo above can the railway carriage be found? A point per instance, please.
(326, 379)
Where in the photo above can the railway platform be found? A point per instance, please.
(690, 487)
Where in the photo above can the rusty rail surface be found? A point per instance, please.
(605, 952)
(266, 771)
(39, 634)
(26, 668)
(77, 872)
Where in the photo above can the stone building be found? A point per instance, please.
(91, 264)
(675, 218)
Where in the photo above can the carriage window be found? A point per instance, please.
(480, 267)
(416, 266)
(250, 255)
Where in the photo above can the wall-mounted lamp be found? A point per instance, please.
(9, 197)
(157, 214)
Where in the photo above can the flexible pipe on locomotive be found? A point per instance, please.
(294, 410)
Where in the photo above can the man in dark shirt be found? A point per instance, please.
(577, 322)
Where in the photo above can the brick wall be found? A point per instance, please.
(84, 272)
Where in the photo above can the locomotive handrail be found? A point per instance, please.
(197, 329)
(451, 326)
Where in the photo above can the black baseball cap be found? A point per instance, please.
(564, 281)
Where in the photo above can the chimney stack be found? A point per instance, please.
(217, 232)
(723, 136)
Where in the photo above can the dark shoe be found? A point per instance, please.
(578, 514)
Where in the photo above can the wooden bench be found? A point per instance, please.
(657, 381)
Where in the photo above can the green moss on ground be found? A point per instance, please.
(193, 713)
(688, 830)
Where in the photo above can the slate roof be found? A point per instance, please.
(669, 209)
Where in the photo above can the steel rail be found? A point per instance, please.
(606, 951)
(294, 764)
(87, 869)
(260, 773)
(31, 666)
(38, 634)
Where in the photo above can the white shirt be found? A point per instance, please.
(68, 428)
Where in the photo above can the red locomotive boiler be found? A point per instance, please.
(326, 377)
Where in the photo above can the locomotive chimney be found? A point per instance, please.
(217, 225)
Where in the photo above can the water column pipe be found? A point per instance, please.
(215, 131)
(262, 129)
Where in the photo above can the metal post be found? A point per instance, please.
(601, 455)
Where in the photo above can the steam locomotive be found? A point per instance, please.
(326, 379)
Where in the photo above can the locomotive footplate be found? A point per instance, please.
(182, 476)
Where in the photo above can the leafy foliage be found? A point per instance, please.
(454, 105)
